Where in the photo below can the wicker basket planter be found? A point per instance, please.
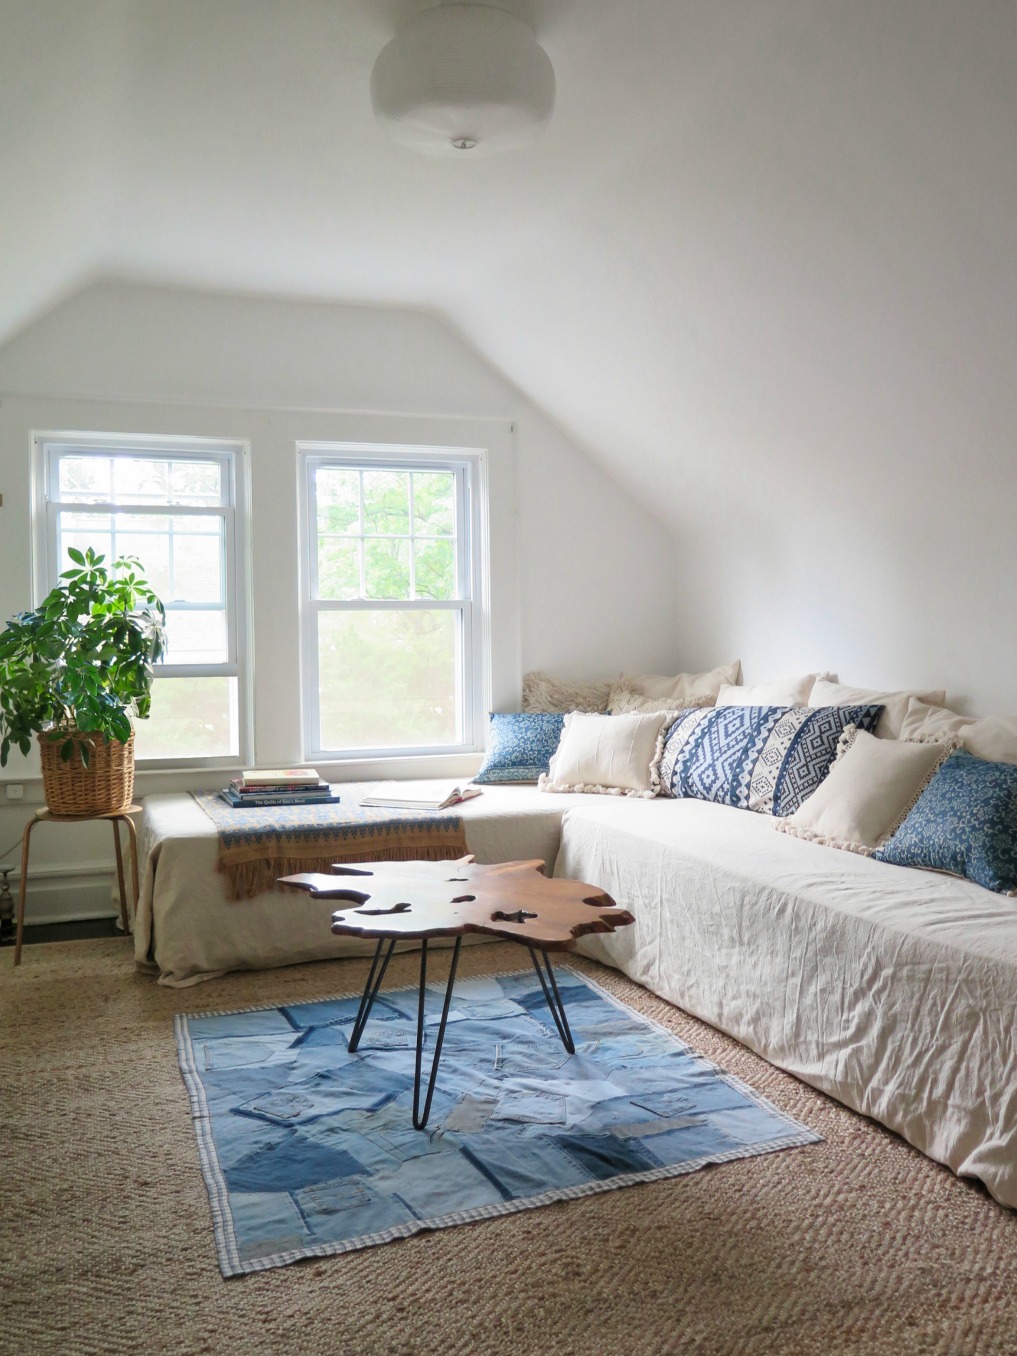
(104, 787)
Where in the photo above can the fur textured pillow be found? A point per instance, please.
(542, 692)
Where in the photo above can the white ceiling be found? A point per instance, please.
(756, 231)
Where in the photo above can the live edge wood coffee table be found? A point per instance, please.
(415, 901)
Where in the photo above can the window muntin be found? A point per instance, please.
(174, 507)
(392, 659)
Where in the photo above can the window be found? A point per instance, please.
(393, 650)
(172, 504)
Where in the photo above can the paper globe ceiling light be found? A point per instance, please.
(463, 80)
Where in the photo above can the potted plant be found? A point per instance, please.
(74, 672)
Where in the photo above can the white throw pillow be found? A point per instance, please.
(991, 737)
(683, 686)
(896, 703)
(868, 792)
(623, 702)
(608, 755)
(781, 692)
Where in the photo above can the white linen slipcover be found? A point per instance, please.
(891, 989)
(188, 931)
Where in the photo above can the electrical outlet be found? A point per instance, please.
(15, 791)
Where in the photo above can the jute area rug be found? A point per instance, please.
(858, 1244)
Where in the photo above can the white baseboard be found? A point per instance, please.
(69, 894)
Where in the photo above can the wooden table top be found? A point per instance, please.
(414, 900)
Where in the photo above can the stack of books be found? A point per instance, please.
(278, 786)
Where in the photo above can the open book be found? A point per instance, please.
(421, 795)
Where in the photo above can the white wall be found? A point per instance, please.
(873, 540)
(60, 98)
(570, 550)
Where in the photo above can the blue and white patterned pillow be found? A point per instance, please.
(520, 745)
(764, 758)
(965, 823)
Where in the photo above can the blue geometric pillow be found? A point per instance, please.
(764, 758)
(520, 746)
(965, 822)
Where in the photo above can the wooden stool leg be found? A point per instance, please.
(115, 821)
(133, 835)
(22, 887)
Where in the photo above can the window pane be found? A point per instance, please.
(182, 558)
(337, 499)
(196, 483)
(83, 530)
(338, 567)
(84, 479)
(191, 718)
(387, 502)
(173, 512)
(197, 560)
(434, 503)
(161, 480)
(388, 679)
(140, 480)
(148, 538)
(196, 637)
(387, 568)
(435, 564)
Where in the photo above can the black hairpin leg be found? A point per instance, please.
(371, 991)
(420, 1118)
(553, 999)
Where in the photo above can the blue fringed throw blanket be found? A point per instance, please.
(258, 845)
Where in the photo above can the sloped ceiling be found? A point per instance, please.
(758, 235)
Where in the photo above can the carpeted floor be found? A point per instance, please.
(858, 1244)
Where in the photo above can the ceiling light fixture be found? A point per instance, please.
(463, 79)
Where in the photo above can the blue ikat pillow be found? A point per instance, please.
(764, 758)
(965, 823)
(520, 746)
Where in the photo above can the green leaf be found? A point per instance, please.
(67, 750)
(84, 656)
(86, 753)
(76, 555)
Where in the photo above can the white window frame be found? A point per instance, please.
(471, 600)
(233, 456)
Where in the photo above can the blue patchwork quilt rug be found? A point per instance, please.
(308, 1150)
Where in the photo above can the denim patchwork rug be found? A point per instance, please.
(308, 1150)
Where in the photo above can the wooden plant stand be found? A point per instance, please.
(46, 816)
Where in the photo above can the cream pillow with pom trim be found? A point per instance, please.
(868, 793)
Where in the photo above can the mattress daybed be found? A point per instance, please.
(891, 989)
(187, 931)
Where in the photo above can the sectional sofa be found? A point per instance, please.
(888, 987)
(893, 990)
